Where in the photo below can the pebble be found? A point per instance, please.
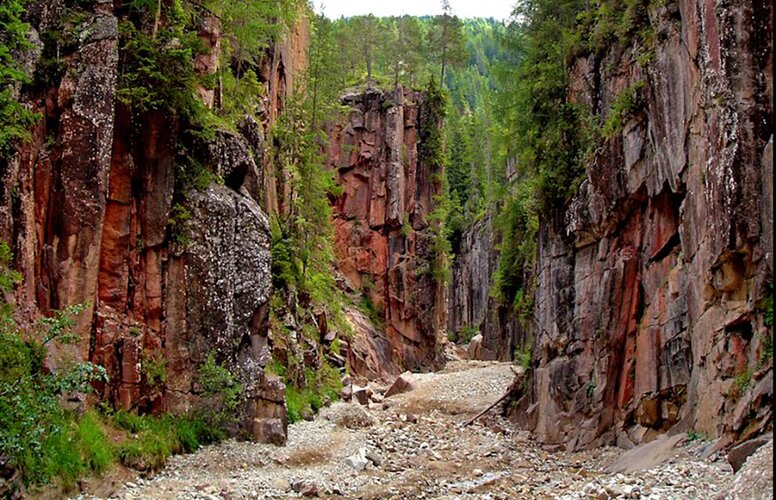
(432, 458)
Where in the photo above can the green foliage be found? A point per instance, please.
(283, 265)
(157, 69)
(523, 305)
(368, 307)
(93, 444)
(742, 382)
(36, 434)
(155, 370)
(694, 435)
(176, 221)
(517, 224)
(217, 381)
(590, 388)
(603, 25)
(467, 333)
(624, 106)
(15, 119)
(244, 98)
(321, 386)
(432, 155)
(769, 305)
(522, 356)
(154, 439)
(296, 403)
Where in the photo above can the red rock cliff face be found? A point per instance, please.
(381, 221)
(87, 203)
(650, 287)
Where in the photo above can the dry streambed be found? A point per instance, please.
(413, 445)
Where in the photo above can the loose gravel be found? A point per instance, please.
(416, 447)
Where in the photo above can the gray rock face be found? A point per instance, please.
(226, 286)
(227, 266)
(648, 284)
(469, 302)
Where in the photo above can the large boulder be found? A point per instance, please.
(738, 454)
(405, 383)
(755, 479)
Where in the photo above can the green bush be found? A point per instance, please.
(15, 119)
(467, 333)
(624, 106)
(36, 434)
(320, 385)
(218, 381)
(522, 356)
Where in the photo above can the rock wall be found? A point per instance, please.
(651, 286)
(383, 237)
(470, 305)
(87, 205)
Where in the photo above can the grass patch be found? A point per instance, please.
(152, 440)
(322, 386)
(93, 445)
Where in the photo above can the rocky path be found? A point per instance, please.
(413, 445)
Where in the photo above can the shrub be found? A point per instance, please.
(467, 333)
(36, 434)
(14, 118)
(321, 386)
(522, 356)
(218, 381)
(624, 106)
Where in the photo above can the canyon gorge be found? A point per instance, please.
(297, 245)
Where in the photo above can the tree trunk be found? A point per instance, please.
(157, 18)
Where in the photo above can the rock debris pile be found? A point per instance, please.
(413, 445)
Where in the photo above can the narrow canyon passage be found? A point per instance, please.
(416, 447)
(227, 227)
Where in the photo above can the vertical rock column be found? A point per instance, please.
(382, 234)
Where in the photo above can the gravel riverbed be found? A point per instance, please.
(413, 445)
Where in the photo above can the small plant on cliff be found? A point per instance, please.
(624, 106)
(522, 356)
(742, 382)
(155, 370)
(217, 381)
(176, 221)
